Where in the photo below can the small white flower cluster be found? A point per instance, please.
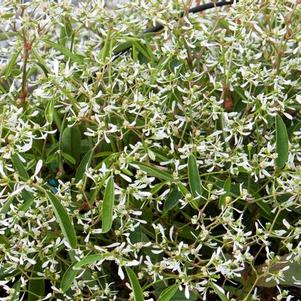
(186, 123)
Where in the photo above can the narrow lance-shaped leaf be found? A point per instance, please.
(49, 111)
(168, 293)
(63, 220)
(71, 142)
(106, 51)
(11, 64)
(172, 200)
(227, 188)
(219, 291)
(89, 259)
(40, 61)
(69, 158)
(84, 164)
(194, 177)
(102, 154)
(6, 35)
(157, 187)
(28, 200)
(68, 278)
(19, 167)
(155, 172)
(137, 290)
(4, 240)
(74, 269)
(66, 30)
(108, 205)
(142, 49)
(281, 143)
(58, 120)
(122, 47)
(68, 27)
(77, 58)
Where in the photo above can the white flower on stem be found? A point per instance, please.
(38, 168)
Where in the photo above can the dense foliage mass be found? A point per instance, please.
(170, 172)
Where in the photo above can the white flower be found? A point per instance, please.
(38, 168)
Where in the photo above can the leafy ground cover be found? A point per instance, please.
(170, 172)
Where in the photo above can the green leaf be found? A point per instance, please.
(194, 177)
(168, 293)
(7, 34)
(108, 161)
(127, 172)
(74, 269)
(161, 155)
(6, 206)
(28, 198)
(36, 287)
(49, 111)
(183, 189)
(154, 172)
(40, 61)
(103, 154)
(227, 188)
(19, 167)
(281, 143)
(134, 52)
(76, 58)
(68, 27)
(138, 236)
(106, 51)
(42, 67)
(57, 119)
(69, 158)
(11, 64)
(172, 200)
(63, 220)
(142, 49)
(137, 290)
(4, 240)
(84, 164)
(66, 30)
(141, 46)
(31, 71)
(219, 291)
(6, 15)
(157, 187)
(89, 259)
(122, 47)
(108, 205)
(71, 142)
(68, 278)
